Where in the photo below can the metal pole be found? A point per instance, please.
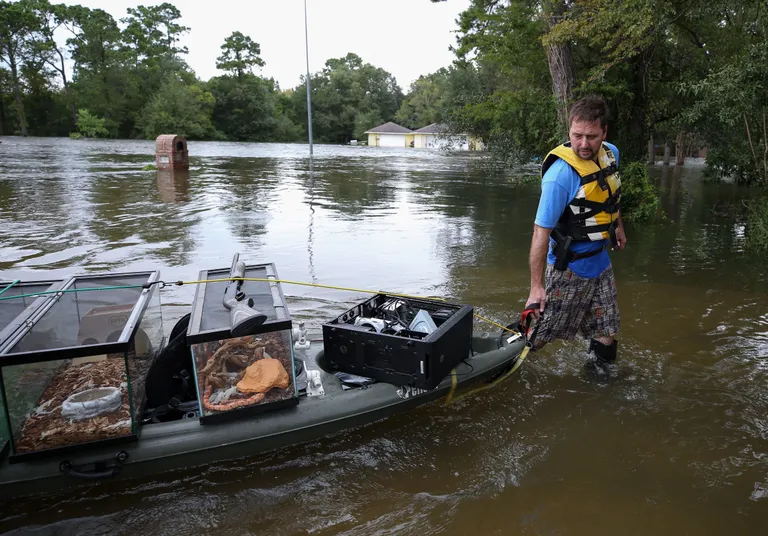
(309, 97)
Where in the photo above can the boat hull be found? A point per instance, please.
(186, 443)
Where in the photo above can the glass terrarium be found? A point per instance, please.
(241, 375)
(74, 374)
(19, 301)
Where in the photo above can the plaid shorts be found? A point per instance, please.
(579, 305)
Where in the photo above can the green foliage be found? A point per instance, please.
(348, 98)
(89, 125)
(731, 112)
(250, 109)
(639, 198)
(17, 22)
(152, 31)
(178, 108)
(239, 55)
(756, 232)
(518, 125)
(504, 95)
(120, 72)
(428, 101)
(663, 66)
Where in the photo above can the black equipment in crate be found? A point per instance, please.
(222, 355)
(403, 341)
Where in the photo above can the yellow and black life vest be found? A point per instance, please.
(591, 214)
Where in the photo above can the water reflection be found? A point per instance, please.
(353, 191)
(310, 185)
(173, 185)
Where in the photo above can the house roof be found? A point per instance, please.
(434, 128)
(389, 128)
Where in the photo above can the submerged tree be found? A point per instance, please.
(349, 97)
(100, 80)
(179, 108)
(427, 102)
(17, 22)
(51, 18)
(89, 125)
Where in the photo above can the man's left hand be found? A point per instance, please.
(621, 238)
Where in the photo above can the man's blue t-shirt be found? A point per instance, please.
(558, 188)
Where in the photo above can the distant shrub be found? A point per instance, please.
(640, 201)
(90, 125)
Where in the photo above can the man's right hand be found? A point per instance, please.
(537, 295)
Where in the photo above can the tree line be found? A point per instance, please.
(685, 73)
(129, 79)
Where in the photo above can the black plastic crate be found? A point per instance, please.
(404, 357)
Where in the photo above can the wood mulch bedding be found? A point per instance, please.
(47, 429)
(273, 345)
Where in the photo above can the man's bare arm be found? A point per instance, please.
(537, 261)
(621, 236)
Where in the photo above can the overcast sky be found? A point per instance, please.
(408, 38)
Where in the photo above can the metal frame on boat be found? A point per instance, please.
(185, 443)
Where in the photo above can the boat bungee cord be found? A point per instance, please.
(164, 284)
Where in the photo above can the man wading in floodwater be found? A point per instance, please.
(577, 221)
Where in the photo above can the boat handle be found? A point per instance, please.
(100, 469)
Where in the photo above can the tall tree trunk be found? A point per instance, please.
(17, 92)
(636, 120)
(71, 104)
(2, 115)
(63, 73)
(560, 60)
(680, 152)
(765, 150)
(651, 152)
(667, 152)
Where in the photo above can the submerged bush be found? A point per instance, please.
(756, 232)
(90, 125)
(640, 201)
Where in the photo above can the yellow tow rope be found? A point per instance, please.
(318, 285)
(454, 379)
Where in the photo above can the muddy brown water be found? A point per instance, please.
(675, 443)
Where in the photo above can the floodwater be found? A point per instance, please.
(675, 443)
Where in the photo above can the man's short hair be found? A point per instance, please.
(590, 108)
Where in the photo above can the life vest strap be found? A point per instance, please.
(578, 231)
(601, 174)
(610, 206)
